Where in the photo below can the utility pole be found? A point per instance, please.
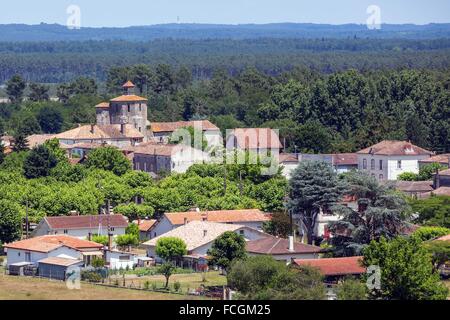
(240, 183)
(26, 220)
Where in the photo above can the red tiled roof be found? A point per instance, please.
(445, 172)
(335, 266)
(86, 222)
(274, 246)
(288, 157)
(342, 159)
(103, 105)
(224, 216)
(205, 125)
(51, 242)
(391, 147)
(58, 261)
(99, 132)
(444, 238)
(256, 138)
(128, 98)
(440, 158)
(128, 84)
(152, 148)
(414, 186)
(145, 225)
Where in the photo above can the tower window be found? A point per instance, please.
(140, 106)
(129, 108)
(372, 164)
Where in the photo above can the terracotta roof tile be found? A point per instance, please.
(128, 84)
(444, 238)
(414, 186)
(256, 138)
(390, 147)
(288, 157)
(102, 105)
(224, 216)
(85, 222)
(145, 225)
(205, 125)
(440, 158)
(100, 132)
(442, 191)
(342, 159)
(51, 242)
(445, 172)
(198, 233)
(335, 266)
(152, 148)
(128, 98)
(274, 246)
(58, 261)
(38, 139)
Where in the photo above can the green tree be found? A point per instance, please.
(127, 240)
(54, 147)
(14, 88)
(226, 248)
(133, 229)
(381, 212)
(434, 211)
(170, 248)
(427, 171)
(406, 270)
(408, 176)
(50, 120)
(264, 278)
(28, 125)
(10, 221)
(98, 262)
(109, 159)
(313, 186)
(2, 152)
(38, 92)
(440, 252)
(430, 233)
(166, 269)
(39, 162)
(351, 289)
(134, 211)
(100, 239)
(279, 225)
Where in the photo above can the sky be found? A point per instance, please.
(114, 13)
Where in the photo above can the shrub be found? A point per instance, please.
(177, 286)
(91, 276)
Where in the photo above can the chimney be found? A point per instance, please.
(205, 233)
(89, 236)
(204, 217)
(92, 128)
(122, 128)
(291, 243)
(437, 180)
(185, 220)
(110, 241)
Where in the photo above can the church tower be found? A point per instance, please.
(127, 109)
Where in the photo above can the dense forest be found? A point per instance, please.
(51, 32)
(315, 112)
(54, 62)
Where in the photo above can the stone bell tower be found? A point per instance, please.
(127, 109)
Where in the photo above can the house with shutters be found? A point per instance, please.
(388, 159)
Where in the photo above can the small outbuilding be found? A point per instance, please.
(57, 268)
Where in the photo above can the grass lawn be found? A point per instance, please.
(25, 288)
(187, 281)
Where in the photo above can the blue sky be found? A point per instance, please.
(110, 13)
